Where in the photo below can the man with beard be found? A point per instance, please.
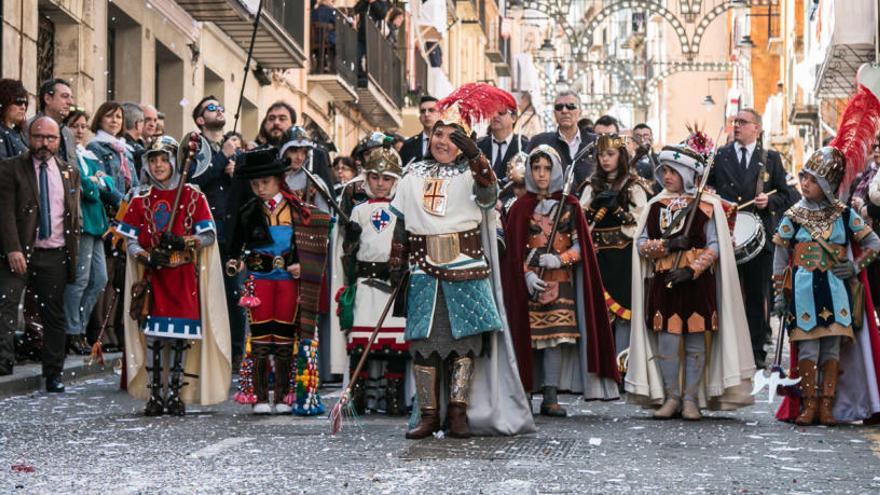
(39, 237)
(216, 183)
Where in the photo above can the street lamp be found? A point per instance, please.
(708, 102)
(547, 50)
(746, 42)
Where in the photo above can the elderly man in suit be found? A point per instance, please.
(568, 139)
(415, 149)
(39, 237)
(501, 144)
(744, 171)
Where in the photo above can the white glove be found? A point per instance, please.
(534, 283)
(550, 261)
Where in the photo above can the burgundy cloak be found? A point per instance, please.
(601, 355)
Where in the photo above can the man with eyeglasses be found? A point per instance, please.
(744, 171)
(568, 139)
(39, 237)
(415, 149)
(501, 144)
(216, 184)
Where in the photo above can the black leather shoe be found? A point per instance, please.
(54, 384)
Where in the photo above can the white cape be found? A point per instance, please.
(730, 365)
(207, 362)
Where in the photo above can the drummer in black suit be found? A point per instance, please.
(501, 144)
(744, 171)
(415, 149)
(568, 139)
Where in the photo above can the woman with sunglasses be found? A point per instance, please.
(13, 110)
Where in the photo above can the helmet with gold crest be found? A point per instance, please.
(384, 161)
(835, 166)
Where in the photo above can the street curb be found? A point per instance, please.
(28, 377)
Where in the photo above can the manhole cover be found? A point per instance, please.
(501, 448)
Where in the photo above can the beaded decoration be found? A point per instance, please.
(308, 402)
(245, 393)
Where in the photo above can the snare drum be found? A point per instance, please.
(749, 237)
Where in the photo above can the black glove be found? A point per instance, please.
(676, 277)
(353, 232)
(678, 243)
(159, 258)
(395, 276)
(172, 242)
(467, 145)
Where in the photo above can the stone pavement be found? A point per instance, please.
(94, 439)
(28, 377)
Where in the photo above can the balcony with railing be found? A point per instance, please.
(333, 58)
(280, 34)
(380, 87)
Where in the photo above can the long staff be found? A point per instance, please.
(336, 412)
(247, 64)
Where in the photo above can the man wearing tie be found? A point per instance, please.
(568, 139)
(745, 171)
(39, 236)
(502, 144)
(415, 149)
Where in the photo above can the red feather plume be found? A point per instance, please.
(477, 102)
(856, 132)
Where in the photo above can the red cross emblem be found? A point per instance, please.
(434, 198)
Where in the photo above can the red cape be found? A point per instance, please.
(601, 356)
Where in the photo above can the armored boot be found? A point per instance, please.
(155, 405)
(283, 360)
(261, 379)
(830, 372)
(550, 405)
(669, 370)
(174, 405)
(459, 391)
(695, 363)
(395, 400)
(427, 383)
(807, 372)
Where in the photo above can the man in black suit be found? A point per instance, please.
(568, 139)
(416, 148)
(502, 144)
(746, 171)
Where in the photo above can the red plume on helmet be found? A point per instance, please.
(858, 123)
(473, 103)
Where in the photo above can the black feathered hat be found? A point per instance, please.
(260, 163)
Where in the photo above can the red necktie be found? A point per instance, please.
(271, 204)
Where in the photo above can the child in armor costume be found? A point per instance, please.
(561, 316)
(181, 264)
(612, 202)
(296, 153)
(366, 248)
(681, 314)
(282, 243)
(811, 273)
